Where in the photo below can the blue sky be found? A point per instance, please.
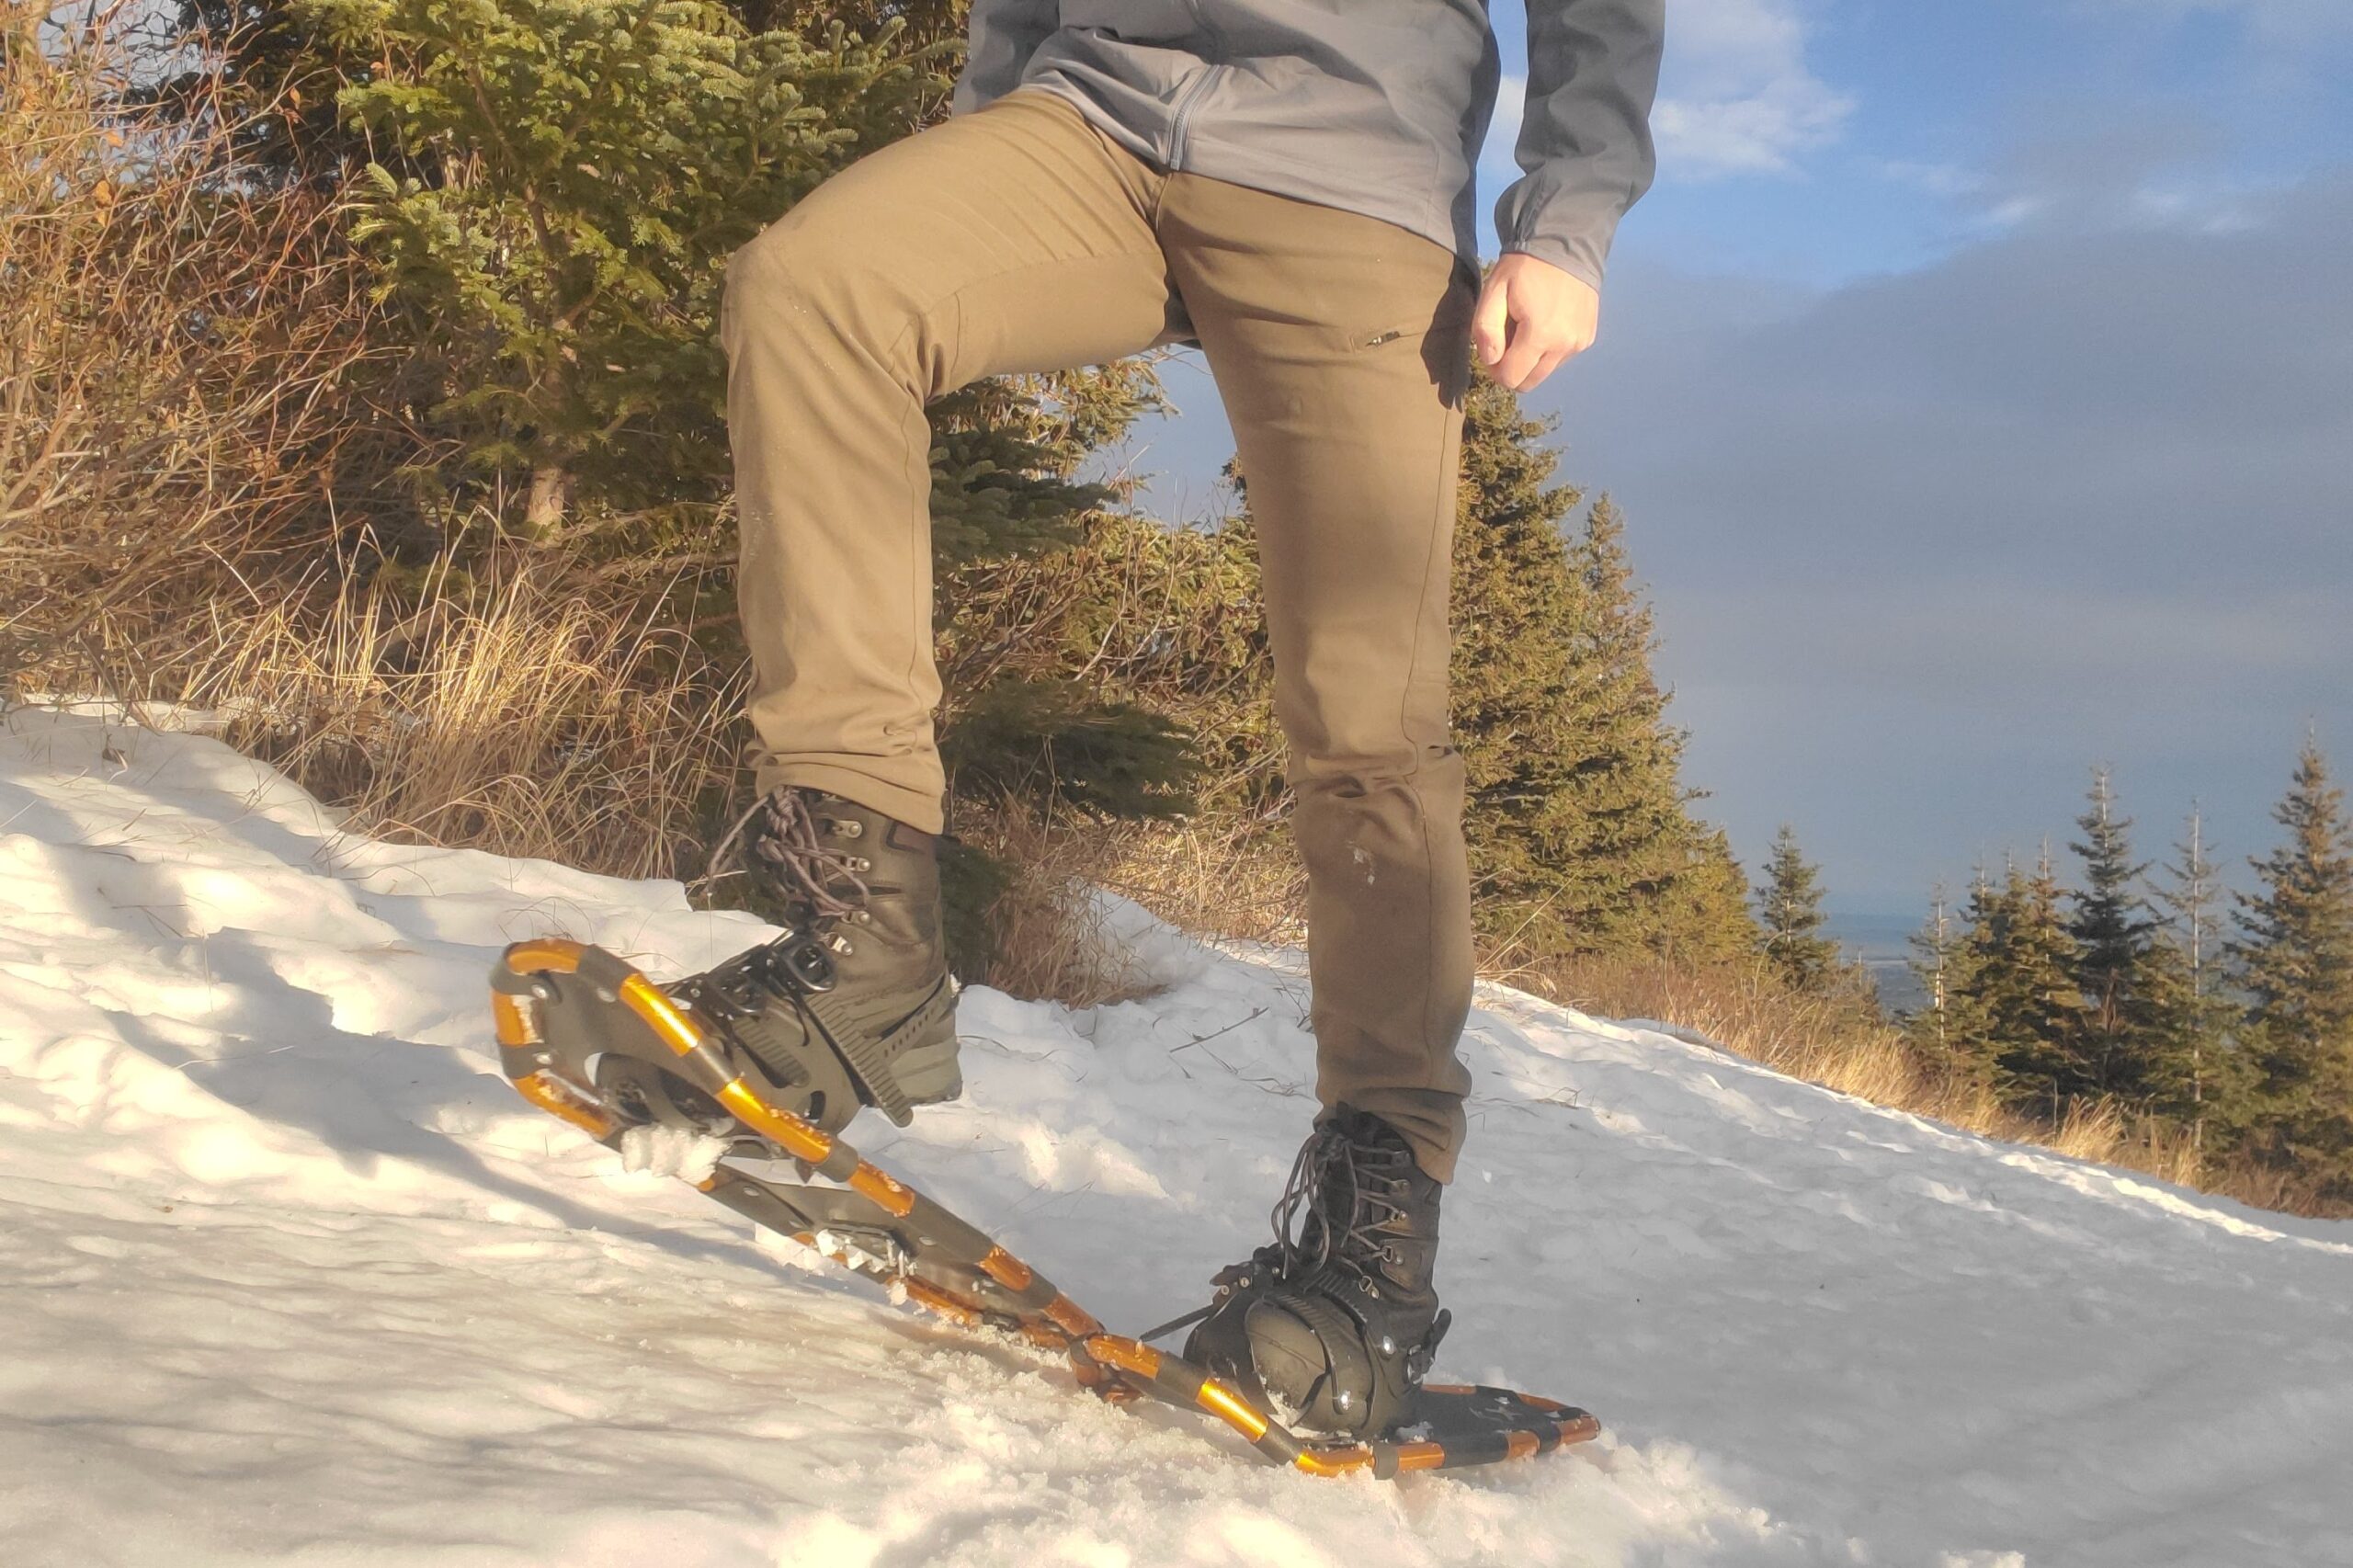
(1823, 142)
(1978, 383)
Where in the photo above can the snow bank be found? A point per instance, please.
(289, 1274)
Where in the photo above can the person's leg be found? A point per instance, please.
(1340, 344)
(1017, 238)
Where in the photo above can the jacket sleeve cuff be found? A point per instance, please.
(1578, 250)
(1581, 260)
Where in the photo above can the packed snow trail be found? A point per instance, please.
(289, 1274)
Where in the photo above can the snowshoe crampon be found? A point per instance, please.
(586, 1038)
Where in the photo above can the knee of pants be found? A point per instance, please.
(801, 285)
(1375, 737)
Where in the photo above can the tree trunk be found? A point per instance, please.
(551, 492)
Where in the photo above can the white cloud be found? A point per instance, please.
(1738, 96)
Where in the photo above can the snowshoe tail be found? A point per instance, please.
(586, 1038)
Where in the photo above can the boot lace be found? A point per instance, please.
(822, 882)
(1312, 1228)
(1304, 1215)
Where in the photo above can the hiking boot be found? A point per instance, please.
(1332, 1327)
(854, 1005)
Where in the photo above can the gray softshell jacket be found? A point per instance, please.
(1378, 107)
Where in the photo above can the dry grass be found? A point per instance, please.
(1842, 1045)
(1234, 881)
(180, 413)
(1047, 934)
(524, 718)
(1047, 937)
(201, 455)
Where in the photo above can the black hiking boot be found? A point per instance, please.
(853, 1005)
(1334, 1325)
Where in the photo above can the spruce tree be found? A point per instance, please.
(2114, 944)
(551, 192)
(565, 180)
(1969, 1043)
(1936, 949)
(1580, 835)
(1704, 918)
(1643, 839)
(2295, 963)
(2187, 1013)
(1790, 910)
(2026, 1005)
(1518, 608)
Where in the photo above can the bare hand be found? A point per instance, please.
(1531, 317)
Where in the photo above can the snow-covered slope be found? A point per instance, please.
(289, 1274)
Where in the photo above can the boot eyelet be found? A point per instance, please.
(863, 916)
(850, 829)
(841, 945)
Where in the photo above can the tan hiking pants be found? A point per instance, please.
(1017, 238)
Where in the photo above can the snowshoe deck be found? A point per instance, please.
(579, 1030)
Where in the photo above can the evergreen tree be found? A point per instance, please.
(565, 180)
(2025, 1008)
(1789, 910)
(1968, 1033)
(1518, 609)
(1703, 916)
(1936, 952)
(1580, 835)
(1642, 833)
(2186, 1012)
(550, 189)
(2114, 944)
(2295, 962)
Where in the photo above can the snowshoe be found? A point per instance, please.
(586, 1038)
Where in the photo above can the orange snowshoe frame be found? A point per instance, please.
(564, 1008)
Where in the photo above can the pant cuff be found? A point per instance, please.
(919, 809)
(1431, 1122)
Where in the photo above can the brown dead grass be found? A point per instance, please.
(1047, 933)
(523, 718)
(202, 448)
(1047, 936)
(1841, 1044)
(180, 371)
(1232, 880)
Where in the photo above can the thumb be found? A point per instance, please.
(1489, 323)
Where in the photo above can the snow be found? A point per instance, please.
(287, 1274)
(671, 1151)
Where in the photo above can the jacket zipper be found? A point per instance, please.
(1178, 145)
(1180, 128)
